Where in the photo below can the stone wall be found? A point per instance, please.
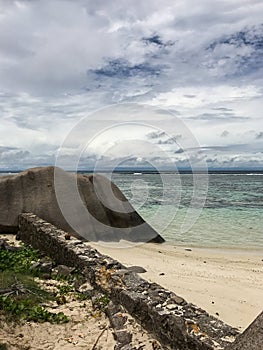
(174, 322)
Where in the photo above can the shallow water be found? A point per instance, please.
(228, 215)
(231, 217)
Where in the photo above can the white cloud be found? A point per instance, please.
(62, 59)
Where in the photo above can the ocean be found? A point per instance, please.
(228, 215)
(231, 217)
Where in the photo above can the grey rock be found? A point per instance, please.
(113, 308)
(123, 347)
(171, 306)
(46, 267)
(178, 300)
(89, 207)
(136, 269)
(118, 321)
(123, 337)
(35, 265)
(85, 288)
(4, 245)
(63, 270)
(251, 338)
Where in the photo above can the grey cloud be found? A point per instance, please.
(4, 149)
(232, 147)
(161, 138)
(223, 109)
(180, 150)
(13, 156)
(168, 141)
(240, 52)
(53, 52)
(190, 96)
(120, 68)
(61, 59)
(225, 133)
(20, 159)
(259, 136)
(229, 117)
(155, 39)
(156, 134)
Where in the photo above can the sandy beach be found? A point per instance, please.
(226, 283)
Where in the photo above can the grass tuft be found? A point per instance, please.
(21, 298)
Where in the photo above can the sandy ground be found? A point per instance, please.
(86, 328)
(226, 283)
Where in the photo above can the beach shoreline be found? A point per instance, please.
(227, 283)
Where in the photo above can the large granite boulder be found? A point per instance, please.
(251, 338)
(88, 206)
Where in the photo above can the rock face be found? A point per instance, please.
(251, 338)
(88, 206)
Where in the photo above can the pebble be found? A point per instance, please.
(171, 306)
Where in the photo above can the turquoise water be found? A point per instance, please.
(228, 215)
(232, 215)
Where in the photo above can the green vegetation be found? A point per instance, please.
(102, 302)
(18, 261)
(20, 296)
(65, 289)
(26, 308)
(3, 346)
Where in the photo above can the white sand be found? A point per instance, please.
(227, 282)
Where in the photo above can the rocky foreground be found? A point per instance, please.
(94, 322)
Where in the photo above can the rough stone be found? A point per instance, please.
(46, 267)
(63, 270)
(35, 265)
(90, 207)
(137, 269)
(118, 321)
(85, 288)
(124, 347)
(186, 327)
(4, 245)
(123, 337)
(251, 338)
(171, 306)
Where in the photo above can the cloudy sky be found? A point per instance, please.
(128, 82)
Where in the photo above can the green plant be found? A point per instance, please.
(102, 302)
(26, 309)
(65, 289)
(82, 296)
(18, 261)
(20, 296)
(3, 346)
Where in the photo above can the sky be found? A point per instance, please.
(131, 83)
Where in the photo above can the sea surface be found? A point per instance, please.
(228, 215)
(220, 210)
